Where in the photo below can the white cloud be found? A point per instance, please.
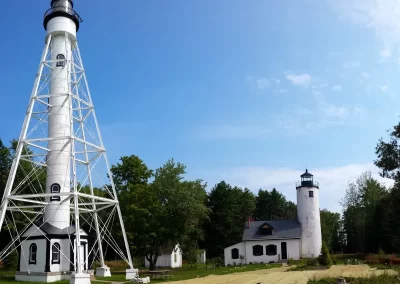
(282, 91)
(233, 131)
(261, 83)
(384, 88)
(299, 80)
(386, 53)
(288, 122)
(332, 181)
(258, 83)
(337, 88)
(365, 75)
(350, 64)
(381, 16)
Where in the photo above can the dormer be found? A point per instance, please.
(266, 229)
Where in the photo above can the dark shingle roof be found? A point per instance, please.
(283, 229)
(52, 230)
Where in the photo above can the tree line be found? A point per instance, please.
(161, 207)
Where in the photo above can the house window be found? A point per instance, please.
(258, 250)
(60, 60)
(175, 257)
(311, 194)
(32, 254)
(270, 250)
(55, 188)
(55, 253)
(235, 253)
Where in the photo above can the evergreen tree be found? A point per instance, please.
(324, 258)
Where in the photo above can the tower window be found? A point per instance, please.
(235, 253)
(258, 250)
(55, 188)
(60, 60)
(32, 254)
(270, 250)
(55, 253)
(311, 194)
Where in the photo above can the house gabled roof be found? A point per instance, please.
(49, 229)
(282, 229)
(168, 249)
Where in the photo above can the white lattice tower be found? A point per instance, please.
(66, 182)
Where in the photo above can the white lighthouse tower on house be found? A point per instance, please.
(64, 210)
(308, 215)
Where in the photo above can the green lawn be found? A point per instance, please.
(187, 272)
(381, 279)
(183, 273)
(11, 279)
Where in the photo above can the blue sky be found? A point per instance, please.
(251, 92)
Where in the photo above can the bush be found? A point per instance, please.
(11, 261)
(311, 262)
(371, 259)
(325, 259)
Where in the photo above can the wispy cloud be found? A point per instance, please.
(386, 53)
(365, 75)
(258, 83)
(350, 64)
(384, 88)
(319, 114)
(299, 80)
(382, 16)
(262, 83)
(239, 130)
(337, 88)
(332, 181)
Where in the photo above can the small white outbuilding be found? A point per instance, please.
(170, 257)
(201, 256)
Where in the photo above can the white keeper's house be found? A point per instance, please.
(278, 240)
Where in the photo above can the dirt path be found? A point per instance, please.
(281, 276)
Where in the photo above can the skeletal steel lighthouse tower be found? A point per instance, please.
(60, 205)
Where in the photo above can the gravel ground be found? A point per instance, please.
(281, 276)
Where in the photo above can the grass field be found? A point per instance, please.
(381, 279)
(187, 272)
(183, 273)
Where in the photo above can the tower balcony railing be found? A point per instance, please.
(307, 184)
(64, 9)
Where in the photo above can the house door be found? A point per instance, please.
(284, 250)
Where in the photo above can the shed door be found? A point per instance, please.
(284, 250)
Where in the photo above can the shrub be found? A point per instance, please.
(325, 258)
(371, 259)
(311, 262)
(11, 261)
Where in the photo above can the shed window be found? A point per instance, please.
(55, 253)
(60, 60)
(258, 250)
(270, 250)
(175, 257)
(311, 194)
(55, 188)
(235, 253)
(32, 254)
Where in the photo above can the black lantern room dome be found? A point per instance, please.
(62, 8)
(307, 180)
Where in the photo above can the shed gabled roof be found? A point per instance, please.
(282, 229)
